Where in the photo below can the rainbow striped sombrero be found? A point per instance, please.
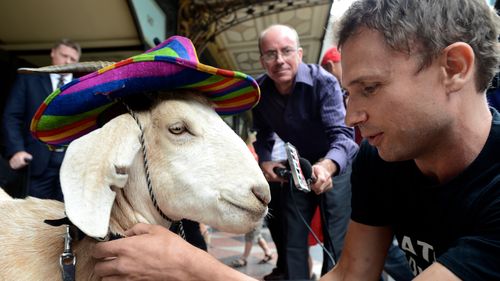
(72, 110)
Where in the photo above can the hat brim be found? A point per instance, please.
(73, 110)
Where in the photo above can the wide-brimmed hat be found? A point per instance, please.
(73, 110)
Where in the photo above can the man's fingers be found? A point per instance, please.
(111, 248)
(20, 160)
(106, 268)
(113, 278)
(314, 179)
(322, 185)
(328, 187)
(106, 250)
(138, 229)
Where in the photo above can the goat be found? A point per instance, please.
(199, 170)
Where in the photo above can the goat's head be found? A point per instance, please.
(199, 169)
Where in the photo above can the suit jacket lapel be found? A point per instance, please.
(46, 84)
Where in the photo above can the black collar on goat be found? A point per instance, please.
(67, 260)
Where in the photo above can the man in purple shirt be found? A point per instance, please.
(303, 104)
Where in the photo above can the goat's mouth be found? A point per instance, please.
(255, 209)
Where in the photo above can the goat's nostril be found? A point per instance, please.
(262, 193)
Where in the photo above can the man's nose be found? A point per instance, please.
(280, 58)
(354, 115)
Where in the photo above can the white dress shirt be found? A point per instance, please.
(54, 78)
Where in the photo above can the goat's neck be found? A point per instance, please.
(126, 214)
(133, 203)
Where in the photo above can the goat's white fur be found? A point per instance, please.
(205, 173)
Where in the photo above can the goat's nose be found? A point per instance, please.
(262, 193)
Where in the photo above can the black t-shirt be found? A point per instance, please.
(456, 224)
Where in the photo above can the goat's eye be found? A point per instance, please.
(177, 128)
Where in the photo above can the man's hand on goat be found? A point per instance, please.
(151, 252)
(148, 252)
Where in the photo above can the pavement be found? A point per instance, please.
(227, 247)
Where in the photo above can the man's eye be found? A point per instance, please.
(369, 89)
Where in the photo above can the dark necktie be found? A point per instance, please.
(60, 82)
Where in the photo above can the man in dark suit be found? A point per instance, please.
(26, 95)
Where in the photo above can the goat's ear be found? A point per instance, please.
(92, 164)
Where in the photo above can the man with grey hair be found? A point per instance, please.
(416, 73)
(303, 104)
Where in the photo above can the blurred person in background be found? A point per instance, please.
(27, 94)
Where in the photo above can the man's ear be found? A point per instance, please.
(262, 63)
(328, 66)
(458, 65)
(300, 53)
